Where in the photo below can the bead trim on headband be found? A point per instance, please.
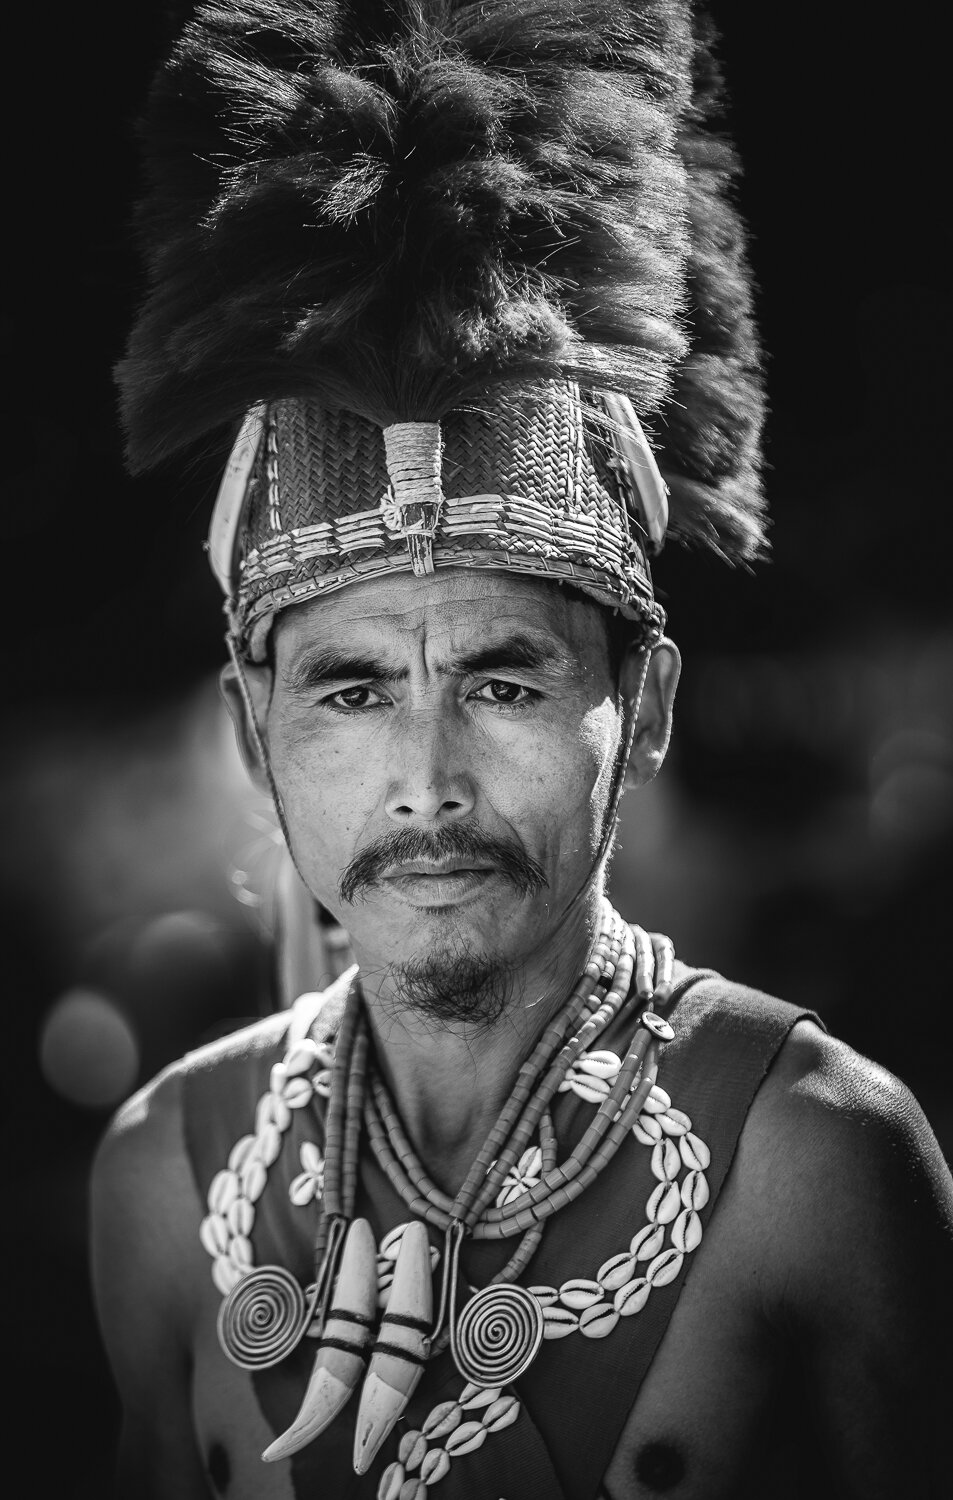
(513, 522)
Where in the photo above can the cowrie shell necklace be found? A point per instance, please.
(512, 1188)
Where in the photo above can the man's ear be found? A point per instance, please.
(258, 681)
(658, 680)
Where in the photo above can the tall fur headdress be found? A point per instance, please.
(445, 258)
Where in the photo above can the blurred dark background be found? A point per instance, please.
(800, 837)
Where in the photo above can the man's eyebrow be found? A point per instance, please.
(519, 652)
(328, 664)
(514, 653)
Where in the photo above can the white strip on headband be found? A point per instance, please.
(633, 447)
(229, 506)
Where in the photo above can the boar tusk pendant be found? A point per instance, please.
(345, 1337)
(400, 1353)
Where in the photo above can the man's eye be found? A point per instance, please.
(354, 697)
(495, 691)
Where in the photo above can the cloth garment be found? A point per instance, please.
(726, 1038)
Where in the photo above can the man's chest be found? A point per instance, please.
(712, 1418)
(718, 1416)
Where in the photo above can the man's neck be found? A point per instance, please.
(450, 1081)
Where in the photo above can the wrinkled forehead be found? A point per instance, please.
(455, 609)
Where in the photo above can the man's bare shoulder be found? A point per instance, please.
(145, 1206)
(823, 1102)
(149, 1124)
(842, 1172)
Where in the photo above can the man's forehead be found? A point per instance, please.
(453, 604)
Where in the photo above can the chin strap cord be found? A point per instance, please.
(234, 651)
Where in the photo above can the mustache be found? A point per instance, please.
(507, 855)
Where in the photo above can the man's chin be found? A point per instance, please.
(453, 983)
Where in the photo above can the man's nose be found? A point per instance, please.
(430, 782)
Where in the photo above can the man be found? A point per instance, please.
(519, 1206)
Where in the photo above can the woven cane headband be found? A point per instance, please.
(553, 484)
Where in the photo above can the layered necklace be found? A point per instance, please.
(510, 1191)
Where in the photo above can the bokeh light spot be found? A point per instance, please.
(89, 1053)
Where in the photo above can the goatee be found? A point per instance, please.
(452, 985)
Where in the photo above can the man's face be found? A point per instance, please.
(444, 750)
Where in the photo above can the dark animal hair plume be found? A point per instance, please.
(395, 205)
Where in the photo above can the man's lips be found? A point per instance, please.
(435, 867)
(436, 883)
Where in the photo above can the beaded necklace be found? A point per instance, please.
(511, 1189)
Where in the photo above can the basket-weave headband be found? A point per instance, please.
(550, 484)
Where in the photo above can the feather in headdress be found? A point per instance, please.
(394, 207)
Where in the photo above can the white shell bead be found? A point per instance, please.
(598, 1064)
(302, 1189)
(647, 1242)
(241, 1216)
(545, 1295)
(272, 1110)
(226, 1274)
(240, 1251)
(558, 1321)
(657, 1102)
(675, 1122)
(278, 1078)
(695, 1190)
(254, 1175)
(241, 1151)
(664, 1268)
(413, 1446)
(687, 1231)
(223, 1190)
(647, 1130)
(391, 1481)
(531, 1162)
(214, 1235)
(269, 1144)
(311, 1158)
(598, 1321)
(616, 1272)
(321, 1083)
(465, 1438)
(632, 1297)
(507, 1194)
(298, 1092)
(695, 1154)
(501, 1413)
(666, 1162)
(435, 1466)
(413, 1489)
(443, 1419)
(580, 1293)
(302, 1057)
(473, 1397)
(664, 1203)
(593, 1090)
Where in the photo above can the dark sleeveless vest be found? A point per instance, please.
(578, 1392)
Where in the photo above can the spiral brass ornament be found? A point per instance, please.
(263, 1318)
(497, 1334)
